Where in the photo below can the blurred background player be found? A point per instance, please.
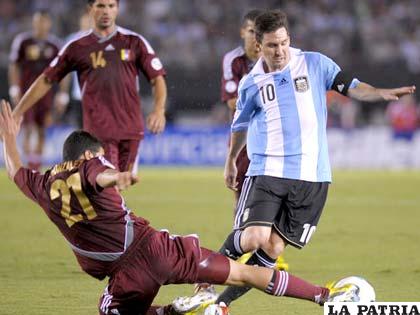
(403, 116)
(30, 54)
(107, 60)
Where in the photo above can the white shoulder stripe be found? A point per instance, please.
(77, 37)
(146, 43)
(105, 162)
(17, 42)
(228, 61)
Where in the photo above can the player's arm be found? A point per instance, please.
(346, 84)
(231, 103)
(237, 143)
(9, 129)
(367, 93)
(156, 120)
(14, 78)
(37, 90)
(111, 178)
(62, 98)
(244, 109)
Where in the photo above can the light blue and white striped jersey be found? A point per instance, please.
(285, 113)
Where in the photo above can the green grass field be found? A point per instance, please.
(370, 227)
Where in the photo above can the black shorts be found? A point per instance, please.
(292, 207)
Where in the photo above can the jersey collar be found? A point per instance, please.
(259, 66)
(103, 39)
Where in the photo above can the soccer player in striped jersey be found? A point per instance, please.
(236, 64)
(108, 59)
(281, 116)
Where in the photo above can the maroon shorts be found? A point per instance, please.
(121, 153)
(158, 260)
(37, 114)
(242, 163)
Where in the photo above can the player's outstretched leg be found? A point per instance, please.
(273, 282)
(205, 293)
(232, 293)
(279, 283)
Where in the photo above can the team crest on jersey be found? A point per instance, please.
(156, 64)
(126, 54)
(33, 52)
(301, 84)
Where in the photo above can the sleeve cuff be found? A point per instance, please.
(354, 83)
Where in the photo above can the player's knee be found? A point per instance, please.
(274, 249)
(255, 237)
(275, 246)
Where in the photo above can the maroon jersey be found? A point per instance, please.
(235, 65)
(32, 56)
(95, 221)
(107, 69)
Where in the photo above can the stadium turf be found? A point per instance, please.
(370, 227)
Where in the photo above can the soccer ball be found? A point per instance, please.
(364, 291)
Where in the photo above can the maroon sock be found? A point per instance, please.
(282, 283)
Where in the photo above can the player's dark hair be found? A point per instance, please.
(91, 2)
(77, 143)
(251, 16)
(270, 21)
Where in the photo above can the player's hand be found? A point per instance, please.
(8, 125)
(156, 121)
(230, 174)
(125, 180)
(394, 94)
